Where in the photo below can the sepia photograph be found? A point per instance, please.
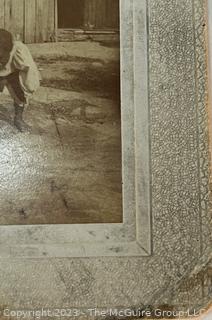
(60, 112)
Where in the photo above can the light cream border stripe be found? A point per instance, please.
(132, 237)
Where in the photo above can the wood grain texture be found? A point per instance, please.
(14, 17)
(45, 20)
(39, 20)
(30, 21)
(40, 32)
(50, 30)
(1, 13)
(7, 14)
(56, 19)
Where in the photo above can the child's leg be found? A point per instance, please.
(18, 120)
(2, 85)
(20, 101)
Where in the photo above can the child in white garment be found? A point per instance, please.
(19, 73)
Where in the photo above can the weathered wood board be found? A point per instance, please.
(44, 24)
(1, 13)
(31, 20)
(14, 17)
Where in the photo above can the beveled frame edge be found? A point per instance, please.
(133, 236)
(208, 5)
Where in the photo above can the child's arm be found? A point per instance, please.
(5, 66)
(21, 59)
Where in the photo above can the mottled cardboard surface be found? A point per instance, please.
(179, 193)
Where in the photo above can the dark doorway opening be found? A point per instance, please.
(71, 14)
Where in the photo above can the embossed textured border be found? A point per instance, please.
(133, 236)
(202, 109)
(180, 229)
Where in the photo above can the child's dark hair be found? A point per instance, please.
(6, 40)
